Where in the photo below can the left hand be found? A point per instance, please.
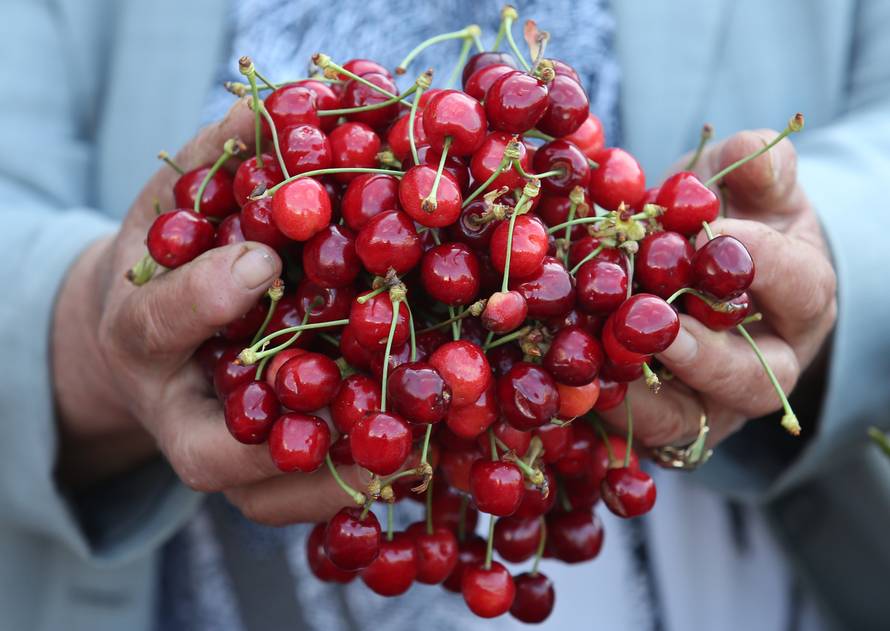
(794, 289)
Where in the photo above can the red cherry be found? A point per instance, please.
(380, 442)
(469, 421)
(398, 139)
(353, 145)
(464, 368)
(341, 452)
(470, 552)
(208, 355)
(257, 224)
(516, 538)
(307, 382)
(450, 274)
(611, 395)
(456, 115)
(621, 372)
(645, 324)
(619, 178)
(323, 303)
(301, 208)
(582, 492)
(555, 438)
(245, 326)
(534, 501)
(575, 357)
(278, 360)
(363, 66)
(456, 465)
(516, 440)
(601, 286)
(229, 232)
(488, 592)
(318, 560)
(583, 246)
(367, 195)
(717, 320)
(615, 350)
(179, 236)
(628, 492)
(575, 536)
(291, 105)
(602, 461)
(395, 568)
(484, 59)
(356, 395)
(389, 241)
(398, 356)
(589, 136)
(528, 249)
(250, 410)
(299, 442)
(687, 203)
(534, 598)
(562, 154)
(488, 157)
(549, 291)
(354, 352)
(305, 148)
(436, 552)
(528, 396)
(419, 393)
(250, 177)
(351, 541)
(478, 83)
(516, 102)
(218, 199)
(370, 322)
(554, 210)
(454, 166)
(562, 69)
(325, 99)
(578, 458)
(329, 258)
(568, 107)
(505, 311)
(468, 228)
(357, 94)
(414, 191)
(723, 267)
(229, 373)
(664, 263)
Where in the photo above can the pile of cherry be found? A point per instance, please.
(470, 276)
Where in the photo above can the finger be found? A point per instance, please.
(794, 283)
(166, 319)
(722, 366)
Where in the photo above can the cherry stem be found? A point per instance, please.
(245, 65)
(165, 157)
(412, 335)
(454, 321)
(230, 148)
(461, 60)
(261, 107)
(429, 507)
(142, 271)
(605, 438)
(254, 355)
(509, 255)
(386, 353)
(716, 305)
(880, 439)
(467, 34)
(573, 208)
(462, 518)
(343, 111)
(542, 543)
(538, 176)
(275, 293)
(489, 546)
(296, 336)
(374, 292)
(754, 317)
(493, 445)
(537, 133)
(505, 161)
(585, 220)
(412, 115)
(424, 450)
(269, 84)
(515, 335)
(389, 520)
(707, 229)
(440, 325)
(357, 497)
(429, 203)
(590, 256)
(271, 191)
(630, 273)
(794, 125)
(327, 64)
(707, 132)
(563, 498)
(507, 23)
(630, 431)
(789, 420)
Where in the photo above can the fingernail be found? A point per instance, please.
(683, 350)
(253, 268)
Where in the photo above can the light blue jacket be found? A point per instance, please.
(92, 90)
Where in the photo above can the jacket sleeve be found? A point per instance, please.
(46, 122)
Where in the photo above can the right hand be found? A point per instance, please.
(125, 381)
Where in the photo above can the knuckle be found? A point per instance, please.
(251, 506)
(189, 468)
(668, 430)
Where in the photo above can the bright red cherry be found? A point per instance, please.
(299, 442)
(621, 372)
(456, 464)
(470, 552)
(370, 322)
(555, 439)
(229, 232)
(578, 458)
(723, 267)
(450, 274)
(398, 355)
(456, 115)
(305, 148)
(516, 538)
(301, 208)
(535, 502)
(250, 177)
(367, 195)
(354, 352)
(554, 210)
(436, 552)
(353, 145)
(488, 592)
(322, 303)
(618, 178)
(471, 229)
(645, 324)
(589, 137)
(505, 311)
(740, 306)
(398, 139)
(351, 541)
(357, 94)
(568, 107)
(516, 102)
(464, 368)
(611, 395)
(488, 157)
(687, 203)
(291, 105)
(516, 440)
(218, 199)
(563, 69)
(664, 263)
(528, 249)
(250, 410)
(230, 373)
(484, 59)
(414, 191)
(381, 442)
(574, 536)
(307, 382)
(179, 236)
(534, 598)
(615, 350)
(478, 83)
(575, 357)
(562, 154)
(453, 165)
(361, 67)
(601, 286)
(257, 224)
(586, 244)
(549, 291)
(528, 396)
(419, 393)
(628, 492)
(318, 560)
(329, 258)
(393, 571)
(389, 241)
(325, 99)
(469, 421)
(357, 395)
(576, 401)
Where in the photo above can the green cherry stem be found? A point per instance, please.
(165, 157)
(506, 339)
(387, 352)
(467, 34)
(880, 439)
(231, 147)
(424, 81)
(344, 111)
(629, 256)
(630, 431)
(143, 271)
(542, 543)
(275, 144)
(567, 237)
(389, 520)
(453, 320)
(357, 497)
(508, 16)
(789, 419)
(707, 132)
(489, 546)
(328, 66)
(412, 335)
(493, 445)
(252, 355)
(707, 228)
(590, 256)
(585, 220)
(461, 60)
(265, 357)
(332, 171)
(429, 506)
(603, 437)
(425, 449)
(275, 293)
(269, 84)
(473, 310)
(537, 133)
(429, 203)
(245, 65)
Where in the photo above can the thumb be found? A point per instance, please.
(174, 313)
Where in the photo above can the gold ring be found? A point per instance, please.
(690, 457)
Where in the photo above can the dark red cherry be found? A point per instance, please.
(555, 439)
(611, 395)
(244, 327)
(562, 154)
(583, 246)
(357, 94)
(179, 236)
(250, 177)
(536, 502)
(464, 368)
(370, 322)
(356, 395)
(395, 568)
(353, 145)
(341, 452)
(436, 552)
(380, 442)
(456, 115)
(488, 592)
(483, 59)
(664, 263)
(323, 304)
(516, 538)
(589, 137)
(534, 598)
(515, 440)
(363, 66)
(456, 464)
(568, 107)
(478, 83)
(497, 487)
(325, 99)
(548, 292)
(628, 492)
(329, 258)
(740, 306)
(352, 541)
(609, 456)
(389, 241)
(574, 536)
(583, 492)
(505, 311)
(488, 157)
(414, 191)
(301, 208)
(218, 199)
(291, 105)
(307, 382)
(687, 203)
(454, 166)
(618, 178)
(318, 560)
(450, 274)
(470, 552)
(398, 355)
(250, 410)
(601, 286)
(624, 373)
(354, 352)
(469, 421)
(229, 373)
(369, 194)
(470, 229)
(516, 102)
(528, 396)
(578, 458)
(428, 341)
(208, 355)
(229, 232)
(305, 148)
(299, 442)
(645, 324)
(617, 352)
(257, 224)
(723, 267)
(419, 393)
(528, 249)
(575, 357)
(554, 210)
(398, 139)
